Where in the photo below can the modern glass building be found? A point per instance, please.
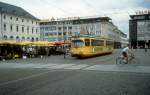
(139, 30)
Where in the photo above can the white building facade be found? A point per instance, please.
(17, 24)
(57, 30)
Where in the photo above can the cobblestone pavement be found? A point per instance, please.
(55, 75)
(140, 55)
(99, 67)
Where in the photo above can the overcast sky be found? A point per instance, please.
(117, 10)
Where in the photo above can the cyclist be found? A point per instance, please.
(66, 51)
(125, 54)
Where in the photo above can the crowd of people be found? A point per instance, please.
(14, 51)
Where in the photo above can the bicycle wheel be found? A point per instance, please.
(135, 61)
(119, 60)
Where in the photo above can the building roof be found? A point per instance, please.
(89, 20)
(78, 20)
(140, 17)
(14, 10)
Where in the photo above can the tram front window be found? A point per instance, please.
(77, 43)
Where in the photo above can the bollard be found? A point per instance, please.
(64, 55)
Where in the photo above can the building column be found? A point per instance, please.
(57, 29)
(95, 28)
(67, 32)
(62, 37)
(1, 23)
(89, 29)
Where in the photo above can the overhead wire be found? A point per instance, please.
(117, 12)
(67, 12)
(54, 5)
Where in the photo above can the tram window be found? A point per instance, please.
(97, 42)
(108, 43)
(101, 42)
(77, 43)
(87, 42)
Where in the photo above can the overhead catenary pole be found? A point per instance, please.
(1, 23)
(145, 36)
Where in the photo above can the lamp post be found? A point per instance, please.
(1, 23)
(63, 37)
(145, 36)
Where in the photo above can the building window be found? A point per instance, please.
(59, 33)
(59, 28)
(55, 33)
(4, 16)
(11, 37)
(17, 38)
(46, 29)
(11, 27)
(32, 30)
(17, 28)
(4, 27)
(27, 20)
(28, 38)
(32, 39)
(23, 38)
(50, 34)
(70, 33)
(16, 19)
(41, 28)
(64, 33)
(70, 28)
(36, 30)
(32, 22)
(22, 29)
(65, 27)
(139, 17)
(11, 17)
(148, 26)
(28, 29)
(37, 39)
(140, 26)
(46, 34)
(5, 37)
(22, 20)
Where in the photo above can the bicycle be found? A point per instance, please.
(66, 53)
(131, 60)
(120, 60)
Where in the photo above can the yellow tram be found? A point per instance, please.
(88, 46)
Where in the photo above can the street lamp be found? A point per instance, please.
(145, 35)
(1, 10)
